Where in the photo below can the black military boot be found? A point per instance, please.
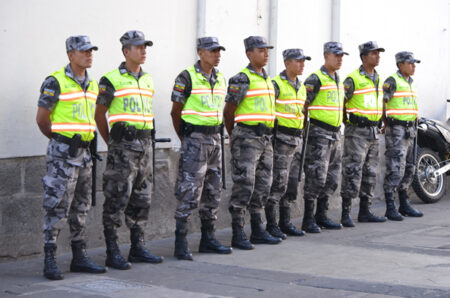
(365, 215)
(113, 257)
(259, 235)
(309, 224)
(285, 223)
(80, 260)
(391, 210)
(321, 216)
(272, 226)
(405, 208)
(181, 245)
(208, 242)
(346, 220)
(239, 239)
(138, 252)
(51, 270)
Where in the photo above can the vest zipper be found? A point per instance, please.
(142, 103)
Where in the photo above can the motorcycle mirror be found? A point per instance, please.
(423, 127)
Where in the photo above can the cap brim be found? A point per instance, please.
(212, 48)
(148, 43)
(298, 58)
(88, 47)
(263, 47)
(380, 50)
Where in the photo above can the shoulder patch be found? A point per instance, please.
(179, 87)
(234, 88)
(309, 87)
(386, 85)
(49, 92)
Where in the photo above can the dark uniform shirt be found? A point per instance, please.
(106, 89)
(390, 86)
(283, 76)
(183, 83)
(239, 84)
(50, 89)
(349, 84)
(312, 84)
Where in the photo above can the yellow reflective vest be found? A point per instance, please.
(75, 109)
(403, 105)
(289, 104)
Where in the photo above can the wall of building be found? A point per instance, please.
(32, 35)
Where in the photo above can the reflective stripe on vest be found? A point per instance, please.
(289, 104)
(258, 105)
(364, 102)
(132, 101)
(75, 109)
(205, 104)
(329, 102)
(403, 105)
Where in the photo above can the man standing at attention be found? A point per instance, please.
(197, 109)
(126, 93)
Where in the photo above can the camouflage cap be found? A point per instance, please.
(405, 56)
(80, 43)
(333, 47)
(209, 43)
(135, 38)
(368, 47)
(256, 42)
(295, 54)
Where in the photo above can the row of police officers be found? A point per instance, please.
(277, 128)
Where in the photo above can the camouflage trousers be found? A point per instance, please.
(291, 193)
(360, 162)
(251, 166)
(127, 184)
(67, 191)
(285, 163)
(322, 164)
(199, 176)
(399, 155)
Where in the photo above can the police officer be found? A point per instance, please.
(250, 103)
(290, 94)
(400, 95)
(364, 109)
(325, 103)
(126, 93)
(66, 116)
(197, 97)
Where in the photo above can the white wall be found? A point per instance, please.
(32, 36)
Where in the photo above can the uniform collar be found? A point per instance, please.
(199, 70)
(409, 80)
(69, 72)
(252, 70)
(325, 72)
(295, 84)
(123, 69)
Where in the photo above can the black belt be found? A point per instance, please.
(208, 130)
(362, 121)
(66, 140)
(290, 131)
(392, 121)
(324, 125)
(129, 132)
(259, 129)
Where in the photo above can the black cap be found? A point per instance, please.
(209, 43)
(368, 47)
(80, 43)
(256, 42)
(295, 54)
(333, 47)
(135, 38)
(405, 56)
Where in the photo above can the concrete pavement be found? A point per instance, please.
(402, 259)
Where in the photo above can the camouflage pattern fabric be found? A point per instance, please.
(199, 176)
(127, 183)
(360, 161)
(251, 166)
(67, 191)
(291, 193)
(400, 165)
(283, 165)
(322, 163)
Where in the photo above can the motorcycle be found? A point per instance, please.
(432, 160)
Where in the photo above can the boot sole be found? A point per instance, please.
(215, 251)
(265, 242)
(368, 220)
(84, 270)
(243, 247)
(51, 277)
(144, 260)
(125, 266)
(395, 219)
(184, 258)
(409, 215)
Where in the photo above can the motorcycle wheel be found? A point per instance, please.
(428, 188)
